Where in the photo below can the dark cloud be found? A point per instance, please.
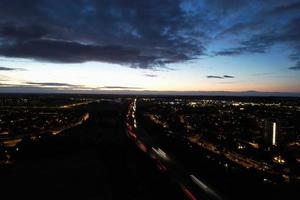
(284, 31)
(240, 27)
(222, 8)
(72, 52)
(220, 77)
(213, 76)
(37, 89)
(229, 52)
(22, 32)
(228, 76)
(150, 75)
(295, 56)
(51, 84)
(143, 34)
(6, 69)
(296, 67)
(11, 69)
(256, 44)
(285, 8)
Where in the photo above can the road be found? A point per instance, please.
(165, 162)
(94, 160)
(201, 172)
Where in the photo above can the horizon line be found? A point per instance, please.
(148, 92)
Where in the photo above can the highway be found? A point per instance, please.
(95, 160)
(193, 187)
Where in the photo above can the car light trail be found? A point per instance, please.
(204, 187)
(142, 146)
(161, 153)
(198, 182)
(188, 193)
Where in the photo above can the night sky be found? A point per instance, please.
(153, 45)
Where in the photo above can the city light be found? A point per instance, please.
(274, 134)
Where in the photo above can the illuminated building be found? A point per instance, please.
(274, 134)
(271, 133)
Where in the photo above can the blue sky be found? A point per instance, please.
(190, 45)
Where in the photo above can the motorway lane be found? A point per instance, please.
(165, 161)
(92, 161)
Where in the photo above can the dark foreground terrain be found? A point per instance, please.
(95, 160)
(89, 147)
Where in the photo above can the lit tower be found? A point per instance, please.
(274, 134)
